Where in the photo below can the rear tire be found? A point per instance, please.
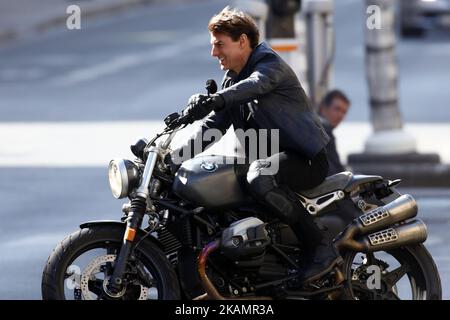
(422, 274)
(79, 242)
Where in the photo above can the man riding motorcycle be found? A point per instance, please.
(261, 91)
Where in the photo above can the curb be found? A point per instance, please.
(415, 169)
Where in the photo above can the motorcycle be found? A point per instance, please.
(197, 234)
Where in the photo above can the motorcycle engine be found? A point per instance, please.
(245, 242)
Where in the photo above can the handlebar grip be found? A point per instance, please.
(185, 119)
(179, 121)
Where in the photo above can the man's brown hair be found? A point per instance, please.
(234, 23)
(334, 94)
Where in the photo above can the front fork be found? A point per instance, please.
(134, 222)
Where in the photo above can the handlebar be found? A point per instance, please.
(175, 121)
(182, 120)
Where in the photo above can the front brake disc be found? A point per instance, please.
(95, 267)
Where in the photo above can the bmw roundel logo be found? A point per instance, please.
(208, 166)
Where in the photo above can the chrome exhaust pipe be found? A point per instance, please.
(410, 233)
(402, 208)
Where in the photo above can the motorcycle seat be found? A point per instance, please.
(345, 181)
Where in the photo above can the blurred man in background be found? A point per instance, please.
(332, 111)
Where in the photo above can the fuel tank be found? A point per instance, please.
(212, 181)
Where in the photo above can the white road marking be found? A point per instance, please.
(78, 144)
(119, 63)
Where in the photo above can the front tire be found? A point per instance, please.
(72, 252)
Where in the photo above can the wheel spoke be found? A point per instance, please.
(361, 287)
(144, 276)
(371, 260)
(96, 287)
(392, 277)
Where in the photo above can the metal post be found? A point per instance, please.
(300, 59)
(390, 152)
(382, 76)
(319, 24)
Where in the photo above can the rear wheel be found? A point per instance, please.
(407, 273)
(81, 265)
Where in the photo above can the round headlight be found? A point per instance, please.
(123, 176)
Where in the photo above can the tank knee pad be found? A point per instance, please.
(259, 183)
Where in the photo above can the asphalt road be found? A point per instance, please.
(142, 65)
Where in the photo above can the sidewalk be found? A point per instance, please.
(22, 18)
(430, 138)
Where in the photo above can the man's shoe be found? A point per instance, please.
(323, 259)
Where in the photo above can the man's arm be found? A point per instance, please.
(335, 165)
(265, 78)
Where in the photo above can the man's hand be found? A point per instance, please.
(200, 105)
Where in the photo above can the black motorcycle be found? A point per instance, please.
(197, 234)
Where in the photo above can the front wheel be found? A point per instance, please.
(81, 265)
(407, 273)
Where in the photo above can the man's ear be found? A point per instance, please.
(243, 39)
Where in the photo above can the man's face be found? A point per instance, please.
(232, 55)
(336, 112)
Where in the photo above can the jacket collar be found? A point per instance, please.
(257, 54)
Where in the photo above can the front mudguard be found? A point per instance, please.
(122, 226)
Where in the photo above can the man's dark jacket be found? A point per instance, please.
(334, 163)
(267, 94)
